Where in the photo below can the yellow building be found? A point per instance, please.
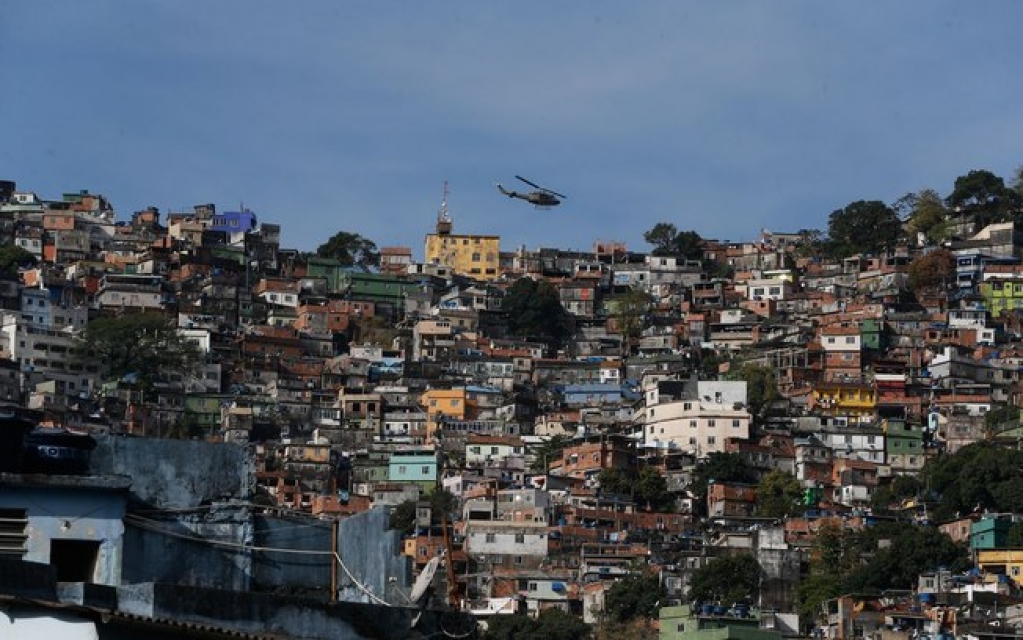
(476, 256)
(1002, 561)
(443, 403)
(858, 400)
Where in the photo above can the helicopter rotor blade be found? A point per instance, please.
(555, 193)
(532, 184)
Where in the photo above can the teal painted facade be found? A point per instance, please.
(416, 467)
(989, 533)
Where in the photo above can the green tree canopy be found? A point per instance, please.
(551, 624)
(863, 227)
(985, 196)
(728, 579)
(441, 501)
(12, 257)
(761, 387)
(629, 312)
(886, 556)
(548, 451)
(888, 497)
(1017, 181)
(978, 476)
(635, 596)
(669, 241)
(927, 215)
(145, 345)
(779, 494)
(718, 467)
(648, 488)
(534, 311)
(350, 249)
(899, 553)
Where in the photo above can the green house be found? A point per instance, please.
(681, 623)
(989, 533)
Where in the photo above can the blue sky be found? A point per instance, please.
(322, 116)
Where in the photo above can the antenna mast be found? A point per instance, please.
(443, 215)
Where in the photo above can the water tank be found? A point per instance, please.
(57, 451)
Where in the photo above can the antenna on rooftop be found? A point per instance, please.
(443, 215)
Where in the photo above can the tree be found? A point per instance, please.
(648, 488)
(1017, 181)
(635, 596)
(551, 624)
(779, 495)
(761, 387)
(811, 243)
(441, 501)
(630, 311)
(728, 579)
(534, 311)
(662, 236)
(832, 557)
(980, 476)
(350, 249)
(898, 552)
(652, 490)
(928, 216)
(933, 272)
(718, 467)
(548, 451)
(145, 346)
(710, 362)
(669, 241)
(12, 257)
(985, 196)
(863, 227)
(890, 495)
(1001, 417)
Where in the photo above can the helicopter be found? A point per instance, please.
(542, 197)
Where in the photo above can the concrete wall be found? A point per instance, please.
(177, 473)
(293, 617)
(370, 551)
(71, 513)
(292, 572)
(189, 533)
(204, 549)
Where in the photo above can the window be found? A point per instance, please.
(711, 440)
(520, 538)
(476, 256)
(491, 537)
(736, 424)
(425, 470)
(850, 339)
(692, 424)
(13, 523)
(711, 423)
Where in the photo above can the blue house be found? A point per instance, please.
(232, 222)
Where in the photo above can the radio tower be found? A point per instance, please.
(443, 215)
